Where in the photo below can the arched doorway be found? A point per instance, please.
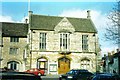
(42, 63)
(63, 65)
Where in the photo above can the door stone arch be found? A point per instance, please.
(63, 65)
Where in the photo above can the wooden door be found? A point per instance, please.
(63, 65)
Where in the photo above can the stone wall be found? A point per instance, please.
(13, 57)
(52, 52)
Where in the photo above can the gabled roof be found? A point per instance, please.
(14, 29)
(49, 22)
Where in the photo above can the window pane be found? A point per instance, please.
(84, 42)
(42, 40)
(13, 51)
(60, 40)
(14, 39)
(85, 64)
(64, 40)
(13, 65)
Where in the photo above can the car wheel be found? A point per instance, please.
(39, 74)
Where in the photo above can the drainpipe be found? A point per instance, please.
(94, 35)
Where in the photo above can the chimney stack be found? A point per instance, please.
(30, 12)
(88, 14)
(117, 50)
(30, 16)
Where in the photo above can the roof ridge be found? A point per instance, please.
(13, 23)
(59, 16)
(46, 15)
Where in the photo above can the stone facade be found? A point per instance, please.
(14, 49)
(7, 57)
(52, 53)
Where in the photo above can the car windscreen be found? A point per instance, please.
(104, 78)
(73, 72)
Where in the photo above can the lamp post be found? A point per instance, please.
(94, 35)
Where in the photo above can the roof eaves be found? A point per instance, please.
(94, 26)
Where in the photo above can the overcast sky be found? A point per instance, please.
(14, 11)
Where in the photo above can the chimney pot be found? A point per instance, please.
(88, 14)
(30, 12)
(30, 15)
(26, 20)
(117, 50)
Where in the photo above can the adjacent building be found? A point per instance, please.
(52, 43)
(116, 64)
(14, 40)
(112, 63)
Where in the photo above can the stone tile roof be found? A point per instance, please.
(14, 29)
(49, 23)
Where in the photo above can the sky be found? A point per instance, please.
(17, 11)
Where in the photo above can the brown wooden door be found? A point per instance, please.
(64, 65)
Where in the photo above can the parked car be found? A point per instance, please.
(12, 75)
(104, 76)
(76, 74)
(36, 71)
(6, 69)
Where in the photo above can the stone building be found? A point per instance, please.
(58, 44)
(14, 40)
(54, 44)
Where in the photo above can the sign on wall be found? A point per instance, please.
(53, 67)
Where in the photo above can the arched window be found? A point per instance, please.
(14, 65)
(42, 63)
(85, 63)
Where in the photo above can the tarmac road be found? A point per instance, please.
(50, 77)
